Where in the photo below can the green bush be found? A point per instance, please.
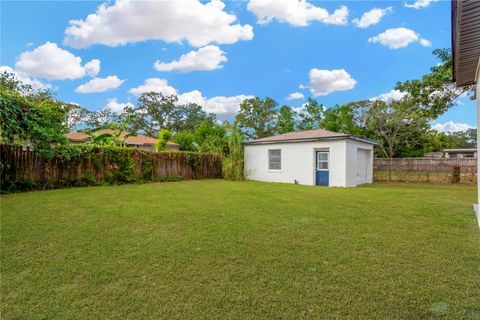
(163, 137)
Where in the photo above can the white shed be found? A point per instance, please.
(314, 157)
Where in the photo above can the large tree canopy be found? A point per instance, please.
(257, 118)
(434, 93)
(311, 115)
(155, 111)
(286, 120)
(30, 116)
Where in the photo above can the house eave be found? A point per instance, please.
(465, 45)
(311, 140)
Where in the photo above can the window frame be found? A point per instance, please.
(279, 159)
(317, 160)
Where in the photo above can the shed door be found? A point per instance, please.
(362, 156)
(322, 167)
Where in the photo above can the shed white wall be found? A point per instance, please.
(351, 157)
(298, 162)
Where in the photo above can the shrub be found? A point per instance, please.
(186, 140)
(163, 137)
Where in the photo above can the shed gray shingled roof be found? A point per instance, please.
(315, 134)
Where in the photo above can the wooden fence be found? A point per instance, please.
(23, 169)
(425, 170)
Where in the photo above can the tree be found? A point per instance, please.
(286, 120)
(30, 116)
(210, 137)
(163, 137)
(192, 116)
(343, 119)
(257, 117)
(102, 118)
(460, 139)
(311, 115)
(118, 135)
(77, 117)
(156, 111)
(186, 140)
(394, 127)
(435, 93)
(471, 138)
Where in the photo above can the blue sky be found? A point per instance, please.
(231, 50)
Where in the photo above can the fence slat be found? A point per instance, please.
(424, 169)
(25, 166)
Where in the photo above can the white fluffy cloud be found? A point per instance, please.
(223, 107)
(205, 59)
(425, 43)
(155, 85)
(50, 62)
(295, 96)
(92, 68)
(36, 84)
(398, 38)
(295, 12)
(128, 21)
(339, 16)
(389, 96)
(451, 126)
(324, 82)
(371, 17)
(117, 107)
(99, 85)
(419, 4)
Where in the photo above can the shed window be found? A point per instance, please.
(275, 159)
(322, 160)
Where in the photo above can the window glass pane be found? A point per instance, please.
(275, 153)
(322, 165)
(322, 156)
(275, 159)
(274, 166)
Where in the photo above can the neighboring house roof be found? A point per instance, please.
(76, 136)
(465, 41)
(133, 140)
(308, 135)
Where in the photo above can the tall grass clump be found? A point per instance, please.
(233, 163)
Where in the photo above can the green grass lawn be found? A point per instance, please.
(241, 250)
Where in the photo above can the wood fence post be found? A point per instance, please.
(390, 169)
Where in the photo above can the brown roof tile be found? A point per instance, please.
(76, 136)
(315, 134)
(301, 135)
(134, 140)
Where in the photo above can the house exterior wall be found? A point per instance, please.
(298, 162)
(172, 147)
(152, 147)
(145, 147)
